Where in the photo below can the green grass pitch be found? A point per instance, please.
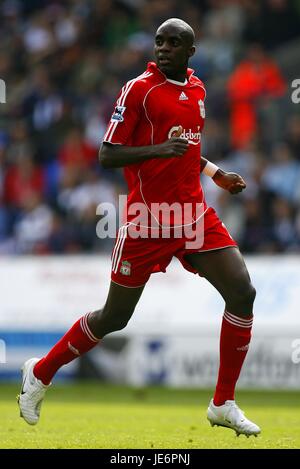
(93, 415)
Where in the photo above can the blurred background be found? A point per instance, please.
(63, 63)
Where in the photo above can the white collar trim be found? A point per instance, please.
(177, 82)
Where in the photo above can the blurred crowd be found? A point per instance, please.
(64, 62)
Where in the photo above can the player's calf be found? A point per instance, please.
(105, 321)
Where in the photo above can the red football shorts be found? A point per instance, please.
(135, 259)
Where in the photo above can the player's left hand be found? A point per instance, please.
(232, 182)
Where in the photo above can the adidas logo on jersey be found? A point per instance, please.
(183, 96)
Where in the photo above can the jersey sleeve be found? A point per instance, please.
(126, 114)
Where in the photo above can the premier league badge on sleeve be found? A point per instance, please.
(118, 114)
(202, 108)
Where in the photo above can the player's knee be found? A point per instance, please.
(242, 298)
(248, 295)
(251, 293)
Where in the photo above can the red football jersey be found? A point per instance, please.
(149, 109)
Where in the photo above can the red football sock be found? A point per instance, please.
(77, 341)
(234, 344)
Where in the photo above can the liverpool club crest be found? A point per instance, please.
(125, 268)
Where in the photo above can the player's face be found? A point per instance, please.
(172, 51)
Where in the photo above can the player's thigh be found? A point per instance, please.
(224, 268)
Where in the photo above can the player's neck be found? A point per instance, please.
(180, 76)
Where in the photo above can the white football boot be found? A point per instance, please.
(231, 416)
(31, 394)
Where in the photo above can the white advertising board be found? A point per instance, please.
(52, 292)
(41, 297)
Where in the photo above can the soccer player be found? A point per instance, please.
(155, 134)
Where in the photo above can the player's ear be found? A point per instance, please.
(192, 51)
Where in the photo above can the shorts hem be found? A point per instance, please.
(128, 286)
(217, 249)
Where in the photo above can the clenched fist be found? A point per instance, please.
(232, 182)
(174, 146)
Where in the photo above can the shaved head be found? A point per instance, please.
(174, 46)
(183, 28)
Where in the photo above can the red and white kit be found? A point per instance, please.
(148, 111)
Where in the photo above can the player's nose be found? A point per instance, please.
(164, 47)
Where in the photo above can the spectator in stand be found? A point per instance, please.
(271, 22)
(254, 80)
(282, 174)
(293, 135)
(22, 178)
(284, 229)
(34, 226)
(75, 151)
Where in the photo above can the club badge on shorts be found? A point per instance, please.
(125, 268)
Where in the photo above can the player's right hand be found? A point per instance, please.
(174, 146)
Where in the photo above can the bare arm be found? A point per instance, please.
(117, 156)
